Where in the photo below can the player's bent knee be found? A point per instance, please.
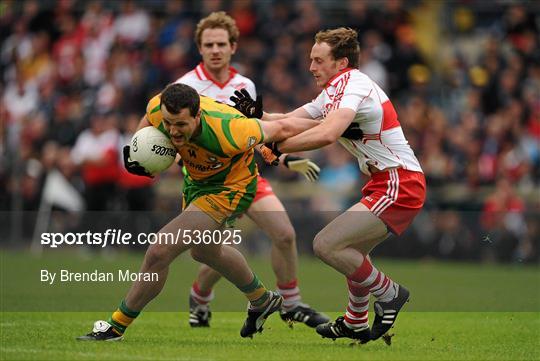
(156, 256)
(321, 247)
(285, 239)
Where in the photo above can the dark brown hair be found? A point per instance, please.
(178, 96)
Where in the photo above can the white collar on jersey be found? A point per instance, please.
(203, 74)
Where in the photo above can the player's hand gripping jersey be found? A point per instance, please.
(222, 171)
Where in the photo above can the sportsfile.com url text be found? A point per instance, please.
(118, 237)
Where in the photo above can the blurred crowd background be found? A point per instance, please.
(463, 75)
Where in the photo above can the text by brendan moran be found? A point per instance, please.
(64, 275)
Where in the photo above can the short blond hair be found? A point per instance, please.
(217, 20)
(343, 42)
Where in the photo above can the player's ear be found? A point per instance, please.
(343, 63)
(234, 46)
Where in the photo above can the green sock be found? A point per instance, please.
(255, 292)
(122, 318)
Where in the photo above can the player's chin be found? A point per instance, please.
(216, 65)
(178, 141)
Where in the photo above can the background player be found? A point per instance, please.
(351, 101)
(217, 40)
(216, 194)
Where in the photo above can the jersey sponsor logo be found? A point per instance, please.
(202, 167)
(211, 162)
(239, 86)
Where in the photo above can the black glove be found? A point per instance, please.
(353, 132)
(134, 167)
(246, 105)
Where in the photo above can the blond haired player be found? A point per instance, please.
(350, 102)
(217, 39)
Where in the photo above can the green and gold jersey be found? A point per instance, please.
(222, 154)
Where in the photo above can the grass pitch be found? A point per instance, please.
(445, 319)
(166, 336)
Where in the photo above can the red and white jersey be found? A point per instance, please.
(202, 82)
(384, 144)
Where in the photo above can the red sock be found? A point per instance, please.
(202, 298)
(376, 282)
(357, 310)
(290, 293)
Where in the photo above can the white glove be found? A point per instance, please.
(303, 166)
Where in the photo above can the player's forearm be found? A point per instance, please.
(294, 126)
(327, 132)
(273, 116)
(313, 138)
(297, 113)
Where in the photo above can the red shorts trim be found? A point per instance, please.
(395, 196)
(263, 189)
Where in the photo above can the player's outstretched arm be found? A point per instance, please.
(278, 130)
(297, 113)
(281, 129)
(253, 108)
(325, 133)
